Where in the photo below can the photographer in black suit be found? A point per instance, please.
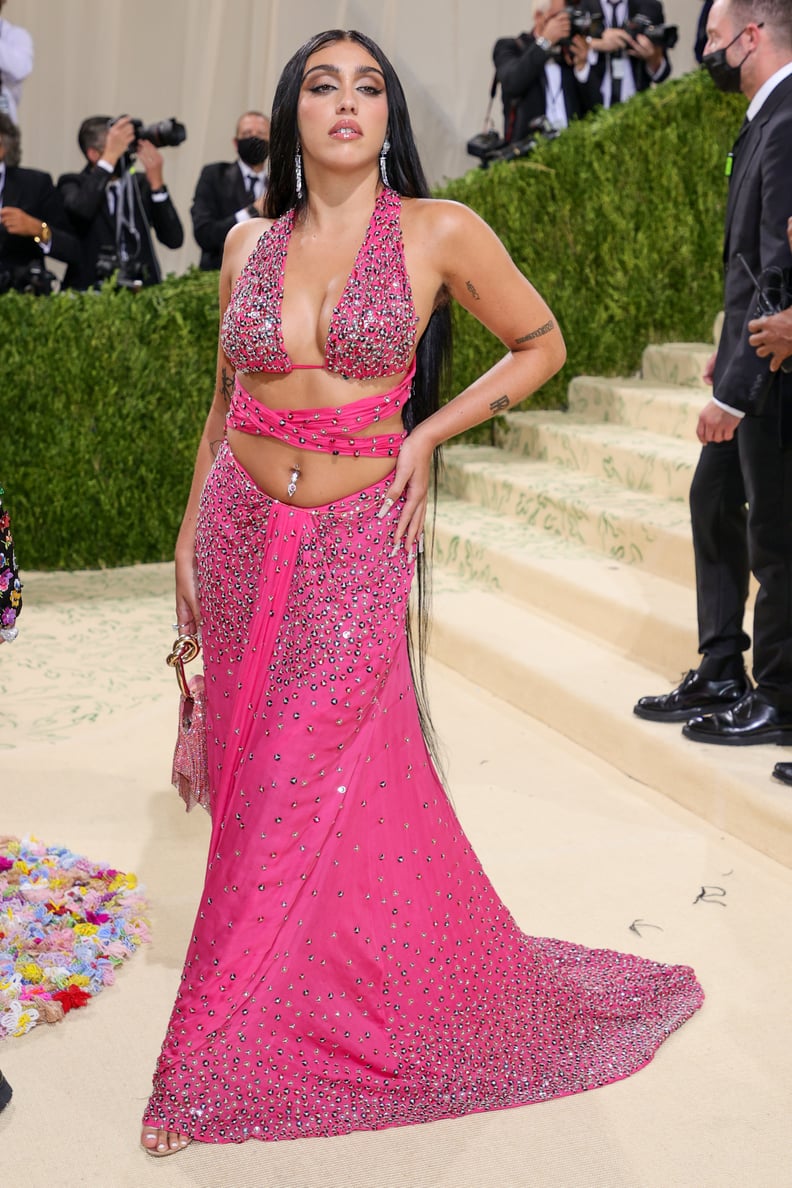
(746, 429)
(113, 205)
(33, 223)
(227, 192)
(544, 73)
(623, 64)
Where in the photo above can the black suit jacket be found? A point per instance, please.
(32, 191)
(653, 10)
(220, 193)
(759, 204)
(85, 199)
(519, 68)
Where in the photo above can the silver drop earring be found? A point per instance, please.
(298, 173)
(383, 154)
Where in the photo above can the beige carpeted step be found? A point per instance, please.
(586, 691)
(677, 363)
(633, 458)
(671, 411)
(623, 525)
(640, 615)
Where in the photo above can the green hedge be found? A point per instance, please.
(619, 224)
(103, 396)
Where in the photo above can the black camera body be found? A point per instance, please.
(584, 24)
(497, 149)
(31, 278)
(665, 36)
(164, 134)
(129, 274)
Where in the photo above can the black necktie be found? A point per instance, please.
(251, 187)
(615, 82)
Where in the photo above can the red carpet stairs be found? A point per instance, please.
(564, 584)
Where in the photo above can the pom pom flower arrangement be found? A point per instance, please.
(66, 924)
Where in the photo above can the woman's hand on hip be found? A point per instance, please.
(411, 479)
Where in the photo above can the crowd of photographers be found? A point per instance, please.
(102, 221)
(575, 58)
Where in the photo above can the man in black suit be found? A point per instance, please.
(231, 192)
(746, 429)
(622, 64)
(545, 73)
(33, 223)
(114, 203)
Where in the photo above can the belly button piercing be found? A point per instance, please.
(293, 477)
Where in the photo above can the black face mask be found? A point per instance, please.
(252, 150)
(726, 77)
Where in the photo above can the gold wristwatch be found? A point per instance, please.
(45, 234)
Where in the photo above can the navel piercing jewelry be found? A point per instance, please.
(292, 487)
(383, 154)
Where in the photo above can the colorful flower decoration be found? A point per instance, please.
(66, 924)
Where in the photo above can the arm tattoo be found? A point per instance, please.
(226, 384)
(471, 288)
(499, 404)
(548, 326)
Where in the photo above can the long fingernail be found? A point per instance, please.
(420, 544)
(394, 551)
(383, 511)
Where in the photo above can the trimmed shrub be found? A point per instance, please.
(103, 396)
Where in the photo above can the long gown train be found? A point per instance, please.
(351, 966)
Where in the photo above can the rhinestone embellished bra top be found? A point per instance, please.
(371, 334)
(372, 329)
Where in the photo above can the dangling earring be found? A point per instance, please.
(383, 154)
(298, 173)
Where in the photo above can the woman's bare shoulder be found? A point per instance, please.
(243, 237)
(442, 221)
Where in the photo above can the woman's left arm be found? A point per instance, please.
(478, 272)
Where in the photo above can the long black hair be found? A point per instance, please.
(433, 356)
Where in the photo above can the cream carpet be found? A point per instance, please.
(575, 849)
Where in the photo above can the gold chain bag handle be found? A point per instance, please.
(190, 774)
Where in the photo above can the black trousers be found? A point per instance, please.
(730, 540)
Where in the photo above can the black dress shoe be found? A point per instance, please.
(694, 696)
(5, 1092)
(783, 772)
(752, 720)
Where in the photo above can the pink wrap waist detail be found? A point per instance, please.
(334, 430)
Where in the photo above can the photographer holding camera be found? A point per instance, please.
(632, 52)
(114, 204)
(33, 223)
(545, 73)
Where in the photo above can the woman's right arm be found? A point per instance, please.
(239, 244)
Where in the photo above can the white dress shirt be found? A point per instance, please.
(259, 185)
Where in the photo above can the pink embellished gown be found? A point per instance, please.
(351, 966)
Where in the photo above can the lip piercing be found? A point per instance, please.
(293, 477)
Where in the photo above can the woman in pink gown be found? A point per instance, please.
(351, 966)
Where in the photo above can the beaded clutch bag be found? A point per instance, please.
(190, 774)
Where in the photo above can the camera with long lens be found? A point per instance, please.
(31, 278)
(163, 134)
(538, 130)
(665, 36)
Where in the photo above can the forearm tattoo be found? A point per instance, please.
(226, 384)
(471, 288)
(499, 404)
(548, 326)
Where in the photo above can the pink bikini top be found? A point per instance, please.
(372, 329)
